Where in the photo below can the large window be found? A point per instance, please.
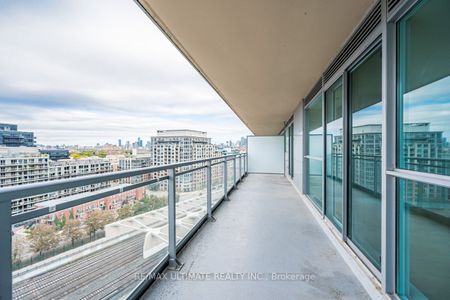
(423, 269)
(365, 157)
(314, 150)
(424, 90)
(334, 148)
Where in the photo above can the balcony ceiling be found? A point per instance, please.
(261, 56)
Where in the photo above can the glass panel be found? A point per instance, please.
(236, 169)
(423, 131)
(286, 151)
(94, 250)
(424, 89)
(423, 240)
(365, 157)
(291, 150)
(230, 174)
(217, 183)
(334, 147)
(314, 150)
(191, 199)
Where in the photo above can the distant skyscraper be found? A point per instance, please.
(120, 143)
(11, 137)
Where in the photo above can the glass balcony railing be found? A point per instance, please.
(106, 235)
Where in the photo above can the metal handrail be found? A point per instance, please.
(29, 190)
(7, 194)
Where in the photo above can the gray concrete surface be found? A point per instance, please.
(265, 229)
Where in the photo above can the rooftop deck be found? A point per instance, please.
(265, 230)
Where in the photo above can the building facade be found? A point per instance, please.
(11, 137)
(174, 146)
(56, 154)
(69, 168)
(22, 165)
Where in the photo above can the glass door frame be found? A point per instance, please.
(306, 146)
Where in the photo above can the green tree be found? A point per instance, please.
(149, 203)
(59, 223)
(43, 238)
(125, 212)
(73, 230)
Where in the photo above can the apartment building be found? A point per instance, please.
(136, 162)
(174, 146)
(22, 165)
(69, 168)
(11, 137)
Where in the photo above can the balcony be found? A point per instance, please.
(266, 244)
(266, 234)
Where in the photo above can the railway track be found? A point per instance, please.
(100, 275)
(32, 286)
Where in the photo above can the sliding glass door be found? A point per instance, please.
(365, 115)
(423, 209)
(314, 151)
(334, 151)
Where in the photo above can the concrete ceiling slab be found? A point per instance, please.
(261, 56)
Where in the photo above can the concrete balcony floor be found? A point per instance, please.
(265, 229)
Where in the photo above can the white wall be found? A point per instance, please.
(266, 154)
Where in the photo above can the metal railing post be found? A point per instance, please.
(234, 173)
(174, 264)
(5, 251)
(209, 191)
(225, 180)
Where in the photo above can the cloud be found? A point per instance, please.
(94, 71)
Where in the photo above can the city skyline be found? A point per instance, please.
(85, 75)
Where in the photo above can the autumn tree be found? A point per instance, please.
(97, 220)
(43, 238)
(18, 245)
(73, 230)
(125, 212)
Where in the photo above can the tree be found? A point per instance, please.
(43, 238)
(125, 212)
(97, 220)
(71, 216)
(59, 223)
(18, 245)
(73, 230)
(149, 203)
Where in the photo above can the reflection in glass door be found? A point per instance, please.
(334, 158)
(314, 150)
(423, 209)
(364, 223)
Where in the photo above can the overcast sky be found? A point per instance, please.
(87, 72)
